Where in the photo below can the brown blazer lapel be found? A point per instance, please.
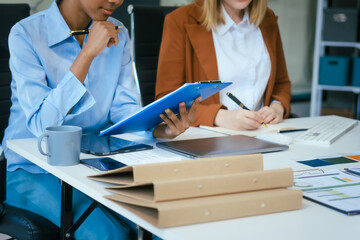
(269, 35)
(267, 30)
(203, 45)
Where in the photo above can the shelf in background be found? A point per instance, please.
(340, 44)
(337, 48)
(355, 90)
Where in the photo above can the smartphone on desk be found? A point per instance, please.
(102, 164)
(108, 145)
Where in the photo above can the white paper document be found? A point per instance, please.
(332, 188)
(271, 128)
(146, 157)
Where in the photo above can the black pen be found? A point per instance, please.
(238, 102)
(80, 32)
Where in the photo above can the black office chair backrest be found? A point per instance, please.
(15, 222)
(9, 15)
(2, 181)
(122, 14)
(146, 33)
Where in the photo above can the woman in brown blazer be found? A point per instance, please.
(227, 40)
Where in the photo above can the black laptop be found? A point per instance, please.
(221, 146)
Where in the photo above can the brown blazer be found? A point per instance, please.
(187, 55)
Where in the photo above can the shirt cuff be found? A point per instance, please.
(82, 99)
(275, 101)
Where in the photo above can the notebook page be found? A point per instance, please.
(272, 128)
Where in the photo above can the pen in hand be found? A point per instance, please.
(238, 102)
(80, 32)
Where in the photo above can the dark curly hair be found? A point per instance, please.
(58, 1)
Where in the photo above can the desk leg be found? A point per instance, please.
(70, 232)
(66, 219)
(67, 227)
(143, 234)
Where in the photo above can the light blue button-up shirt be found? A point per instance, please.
(44, 90)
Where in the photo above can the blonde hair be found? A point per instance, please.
(211, 15)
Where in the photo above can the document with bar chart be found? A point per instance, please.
(332, 188)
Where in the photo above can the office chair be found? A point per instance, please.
(15, 222)
(146, 33)
(122, 15)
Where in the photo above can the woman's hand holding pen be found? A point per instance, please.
(239, 119)
(175, 124)
(272, 114)
(102, 34)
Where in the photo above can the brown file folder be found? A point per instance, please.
(182, 169)
(207, 209)
(166, 190)
(202, 190)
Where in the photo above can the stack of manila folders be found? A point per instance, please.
(202, 190)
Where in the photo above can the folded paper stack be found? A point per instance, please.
(202, 190)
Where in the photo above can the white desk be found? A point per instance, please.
(313, 221)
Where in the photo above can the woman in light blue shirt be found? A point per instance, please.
(83, 80)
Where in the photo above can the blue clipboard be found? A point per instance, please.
(148, 117)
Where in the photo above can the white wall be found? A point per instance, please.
(297, 27)
(174, 2)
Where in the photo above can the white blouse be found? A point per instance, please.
(242, 58)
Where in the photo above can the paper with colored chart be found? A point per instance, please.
(332, 188)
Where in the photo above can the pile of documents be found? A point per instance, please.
(202, 190)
